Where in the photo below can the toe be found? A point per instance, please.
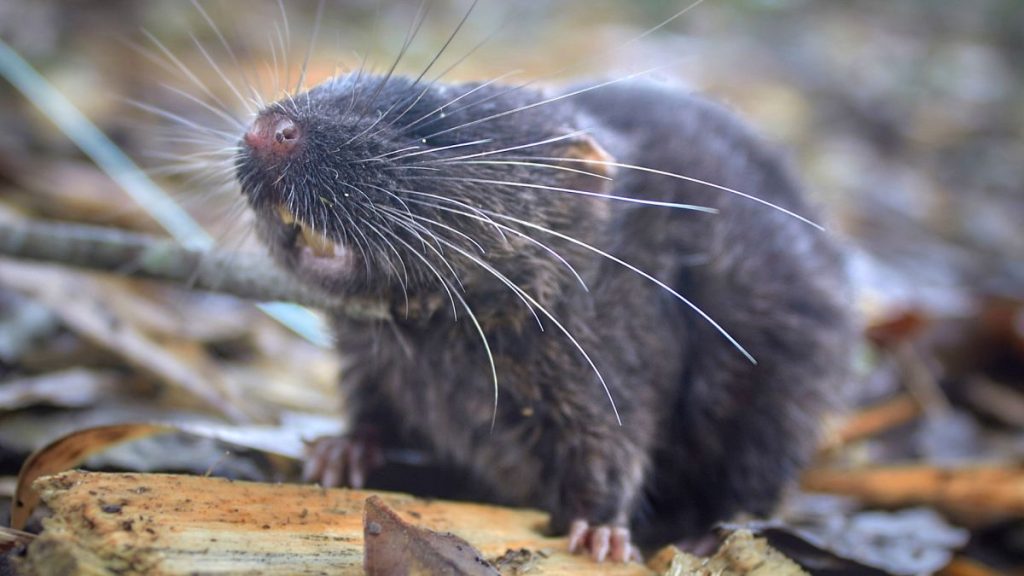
(621, 546)
(578, 532)
(334, 463)
(600, 542)
(313, 467)
(355, 465)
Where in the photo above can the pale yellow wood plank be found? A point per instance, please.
(167, 524)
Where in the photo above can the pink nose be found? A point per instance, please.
(272, 134)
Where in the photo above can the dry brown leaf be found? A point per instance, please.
(80, 302)
(77, 191)
(393, 546)
(68, 452)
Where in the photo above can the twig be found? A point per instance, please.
(138, 255)
(978, 490)
(877, 419)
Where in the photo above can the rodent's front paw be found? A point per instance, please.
(602, 541)
(334, 461)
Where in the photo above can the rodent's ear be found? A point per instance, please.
(596, 159)
(585, 155)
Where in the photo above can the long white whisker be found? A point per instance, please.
(551, 140)
(629, 199)
(413, 227)
(450, 290)
(227, 48)
(392, 195)
(547, 101)
(476, 325)
(403, 278)
(634, 269)
(414, 29)
(519, 233)
(312, 42)
(386, 154)
(530, 299)
(220, 113)
(430, 65)
(441, 108)
(184, 69)
(457, 203)
(438, 224)
(664, 23)
(224, 136)
(687, 179)
(533, 165)
(428, 151)
(592, 56)
(285, 41)
(447, 42)
(216, 68)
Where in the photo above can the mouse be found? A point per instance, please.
(610, 301)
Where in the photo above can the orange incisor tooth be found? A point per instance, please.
(286, 216)
(318, 243)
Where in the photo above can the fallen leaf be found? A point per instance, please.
(67, 452)
(80, 302)
(393, 546)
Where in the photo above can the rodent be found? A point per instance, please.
(438, 199)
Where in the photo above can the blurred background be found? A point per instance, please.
(905, 120)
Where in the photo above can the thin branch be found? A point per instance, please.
(250, 276)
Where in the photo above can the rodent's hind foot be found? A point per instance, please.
(342, 461)
(602, 541)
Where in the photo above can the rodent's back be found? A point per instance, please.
(734, 431)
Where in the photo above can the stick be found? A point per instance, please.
(112, 250)
(993, 490)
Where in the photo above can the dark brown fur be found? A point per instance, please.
(705, 433)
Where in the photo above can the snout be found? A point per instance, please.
(273, 135)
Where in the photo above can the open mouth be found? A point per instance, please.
(317, 243)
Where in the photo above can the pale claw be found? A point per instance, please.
(602, 542)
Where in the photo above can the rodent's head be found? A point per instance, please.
(372, 185)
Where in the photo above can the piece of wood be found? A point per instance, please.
(877, 419)
(963, 566)
(166, 524)
(741, 554)
(66, 452)
(144, 256)
(989, 490)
